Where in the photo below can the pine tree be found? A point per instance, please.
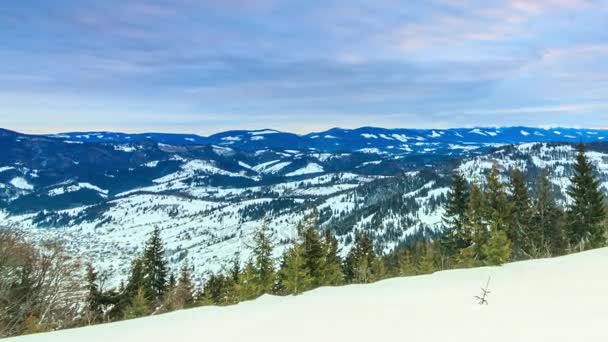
(475, 230)
(586, 211)
(312, 247)
(184, 289)
(497, 250)
(497, 207)
(546, 236)
(156, 272)
(294, 273)
(139, 306)
(331, 274)
(360, 259)
(94, 311)
(263, 261)
(406, 264)
(136, 279)
(454, 219)
(521, 214)
(235, 270)
(426, 264)
(247, 287)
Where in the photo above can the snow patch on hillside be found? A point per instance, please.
(310, 168)
(21, 183)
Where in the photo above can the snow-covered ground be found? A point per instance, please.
(561, 299)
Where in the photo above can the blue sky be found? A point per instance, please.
(206, 66)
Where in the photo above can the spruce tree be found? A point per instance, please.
(586, 211)
(156, 272)
(312, 247)
(406, 264)
(360, 259)
(497, 207)
(247, 286)
(184, 289)
(426, 264)
(94, 311)
(294, 274)
(475, 230)
(546, 236)
(138, 307)
(331, 274)
(263, 261)
(521, 214)
(454, 218)
(497, 250)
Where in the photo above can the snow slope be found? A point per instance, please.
(561, 299)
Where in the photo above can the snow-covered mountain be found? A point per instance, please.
(102, 197)
(560, 299)
(457, 141)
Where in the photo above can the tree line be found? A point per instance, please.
(488, 222)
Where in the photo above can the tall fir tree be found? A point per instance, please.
(156, 271)
(139, 306)
(521, 214)
(184, 289)
(454, 236)
(312, 246)
(294, 273)
(360, 259)
(426, 263)
(497, 250)
(94, 296)
(248, 286)
(475, 230)
(331, 274)
(586, 211)
(546, 236)
(497, 207)
(263, 260)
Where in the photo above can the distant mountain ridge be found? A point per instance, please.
(363, 139)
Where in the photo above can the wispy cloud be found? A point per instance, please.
(359, 61)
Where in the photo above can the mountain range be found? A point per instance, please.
(103, 192)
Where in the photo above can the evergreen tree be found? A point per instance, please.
(263, 261)
(331, 274)
(156, 272)
(139, 306)
(312, 247)
(184, 289)
(497, 250)
(247, 286)
(455, 218)
(406, 264)
(94, 310)
(235, 270)
(497, 207)
(358, 263)
(294, 273)
(521, 214)
(546, 236)
(426, 264)
(586, 211)
(475, 229)
(136, 279)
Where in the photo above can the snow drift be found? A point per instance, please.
(560, 299)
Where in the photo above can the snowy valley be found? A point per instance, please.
(102, 196)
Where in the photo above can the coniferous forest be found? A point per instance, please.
(488, 222)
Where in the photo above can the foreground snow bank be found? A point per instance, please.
(561, 299)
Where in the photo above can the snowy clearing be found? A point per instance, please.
(561, 299)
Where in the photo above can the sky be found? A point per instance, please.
(202, 66)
